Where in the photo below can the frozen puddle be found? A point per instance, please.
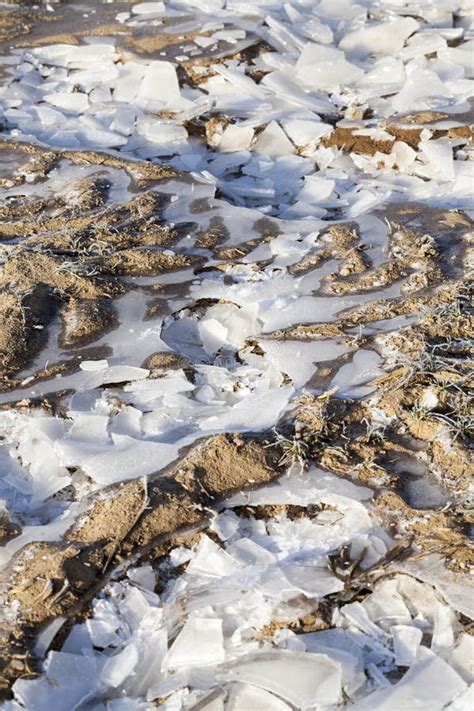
(255, 149)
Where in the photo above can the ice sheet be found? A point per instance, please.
(266, 172)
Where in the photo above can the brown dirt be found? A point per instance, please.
(63, 38)
(160, 363)
(8, 528)
(348, 140)
(191, 68)
(84, 321)
(145, 262)
(311, 622)
(23, 318)
(214, 235)
(138, 170)
(432, 531)
(339, 433)
(73, 250)
(156, 42)
(14, 24)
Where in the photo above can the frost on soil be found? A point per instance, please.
(234, 356)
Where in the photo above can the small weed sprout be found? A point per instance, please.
(20, 296)
(78, 269)
(294, 449)
(445, 314)
(421, 413)
(459, 424)
(375, 431)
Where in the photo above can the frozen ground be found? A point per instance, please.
(234, 247)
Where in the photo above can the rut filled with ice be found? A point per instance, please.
(196, 645)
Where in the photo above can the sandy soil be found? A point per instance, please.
(67, 258)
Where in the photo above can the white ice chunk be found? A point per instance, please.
(46, 532)
(406, 640)
(147, 390)
(274, 142)
(315, 486)
(200, 643)
(135, 608)
(152, 640)
(97, 138)
(236, 138)
(78, 640)
(143, 576)
(419, 86)
(341, 10)
(253, 414)
(386, 607)
(156, 131)
(47, 635)
(213, 334)
(464, 701)
(248, 552)
(129, 82)
(90, 428)
(315, 189)
(356, 614)
(303, 132)
(460, 56)
(298, 359)
(423, 43)
(227, 324)
(127, 422)
(124, 121)
(68, 681)
(338, 645)
(116, 374)
(386, 72)
(442, 640)
(159, 87)
(129, 458)
(284, 87)
(225, 525)
(245, 697)
(305, 680)
(74, 102)
(386, 38)
(461, 657)
(204, 41)
(404, 155)
(240, 81)
(100, 94)
(211, 561)
(93, 365)
(363, 369)
(36, 449)
(430, 681)
(117, 668)
(440, 156)
(311, 580)
(126, 703)
(66, 55)
(103, 627)
(148, 8)
(322, 67)
(49, 116)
